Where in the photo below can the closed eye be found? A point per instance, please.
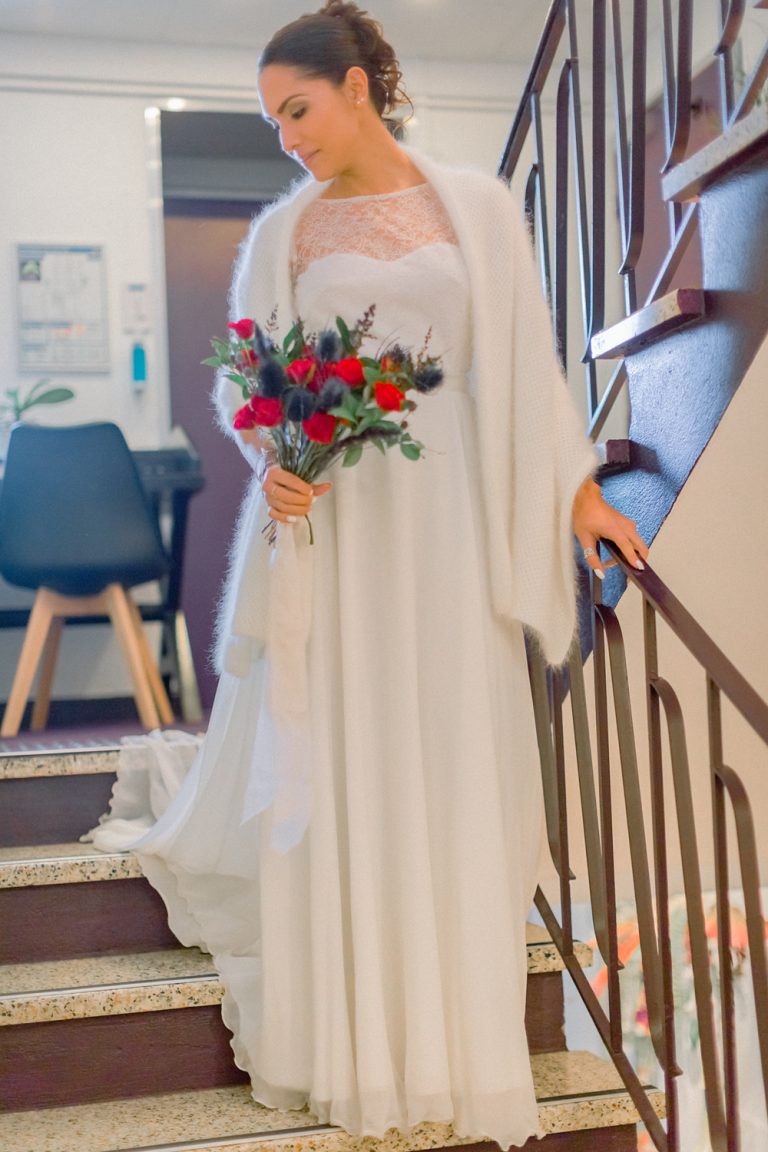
(297, 115)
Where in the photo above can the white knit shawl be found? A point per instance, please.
(533, 450)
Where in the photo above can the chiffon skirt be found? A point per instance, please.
(376, 970)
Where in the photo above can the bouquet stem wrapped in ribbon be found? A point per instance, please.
(317, 400)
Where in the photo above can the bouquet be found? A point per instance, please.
(317, 399)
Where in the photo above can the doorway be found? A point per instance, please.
(219, 170)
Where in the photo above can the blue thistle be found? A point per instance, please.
(272, 379)
(262, 345)
(332, 394)
(328, 346)
(300, 404)
(427, 377)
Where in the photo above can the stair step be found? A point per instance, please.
(668, 314)
(70, 900)
(729, 151)
(102, 1027)
(152, 981)
(78, 761)
(37, 865)
(576, 1091)
(54, 796)
(107, 986)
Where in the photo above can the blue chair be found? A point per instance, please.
(75, 526)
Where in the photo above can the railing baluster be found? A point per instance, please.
(606, 825)
(720, 841)
(636, 218)
(732, 14)
(622, 145)
(541, 202)
(697, 935)
(537, 673)
(638, 850)
(588, 796)
(560, 293)
(680, 125)
(661, 868)
(556, 683)
(752, 87)
(597, 273)
(750, 879)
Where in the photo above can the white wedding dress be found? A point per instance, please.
(376, 971)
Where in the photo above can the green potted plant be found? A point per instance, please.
(15, 403)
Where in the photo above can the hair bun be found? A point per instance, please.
(382, 67)
(334, 39)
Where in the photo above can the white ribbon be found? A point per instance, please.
(280, 768)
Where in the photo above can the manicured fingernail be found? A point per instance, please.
(290, 519)
(639, 565)
(599, 573)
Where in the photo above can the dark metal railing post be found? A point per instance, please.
(661, 871)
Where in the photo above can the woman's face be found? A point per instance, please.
(319, 123)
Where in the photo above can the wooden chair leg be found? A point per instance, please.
(120, 613)
(42, 703)
(150, 665)
(34, 641)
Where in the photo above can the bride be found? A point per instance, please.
(356, 841)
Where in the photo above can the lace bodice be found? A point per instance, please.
(397, 250)
(383, 227)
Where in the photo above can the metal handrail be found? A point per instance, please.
(650, 874)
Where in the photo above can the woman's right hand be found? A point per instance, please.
(289, 497)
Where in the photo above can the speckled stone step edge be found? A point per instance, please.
(77, 762)
(63, 864)
(109, 1000)
(136, 982)
(575, 1090)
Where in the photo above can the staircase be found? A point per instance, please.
(110, 1032)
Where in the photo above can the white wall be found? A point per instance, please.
(80, 161)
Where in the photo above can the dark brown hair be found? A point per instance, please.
(338, 37)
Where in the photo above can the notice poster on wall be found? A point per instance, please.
(62, 308)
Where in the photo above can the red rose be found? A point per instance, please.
(244, 328)
(248, 358)
(303, 372)
(244, 417)
(320, 427)
(388, 396)
(266, 411)
(349, 370)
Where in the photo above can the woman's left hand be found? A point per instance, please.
(594, 518)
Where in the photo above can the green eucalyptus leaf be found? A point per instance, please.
(352, 455)
(238, 378)
(344, 333)
(410, 449)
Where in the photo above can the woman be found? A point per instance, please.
(357, 842)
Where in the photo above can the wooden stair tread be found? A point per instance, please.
(575, 1090)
